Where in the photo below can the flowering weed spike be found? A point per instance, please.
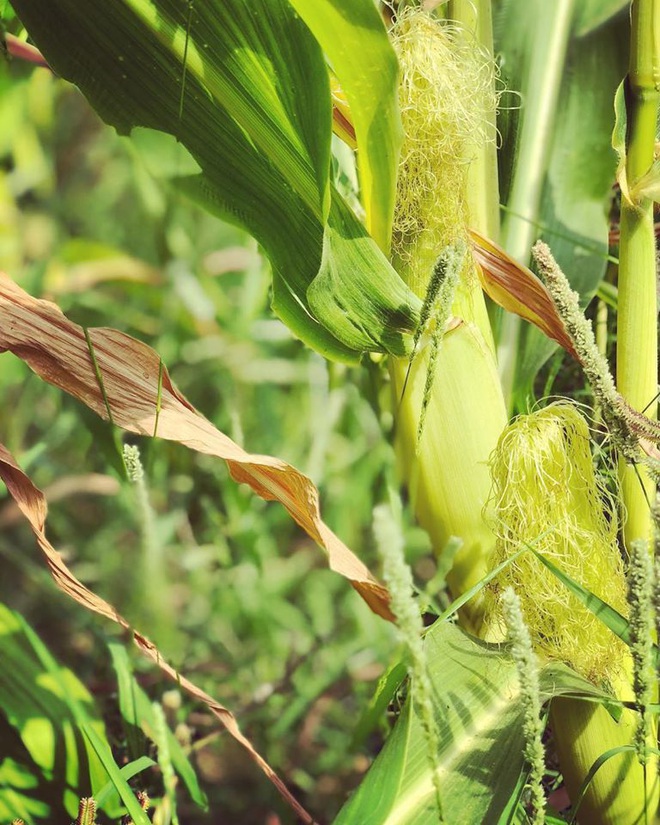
(640, 594)
(133, 464)
(398, 578)
(165, 758)
(145, 804)
(622, 421)
(439, 300)
(143, 799)
(86, 811)
(530, 695)
(135, 473)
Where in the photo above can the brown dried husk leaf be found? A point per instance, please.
(515, 288)
(134, 390)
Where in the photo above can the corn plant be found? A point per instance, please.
(406, 269)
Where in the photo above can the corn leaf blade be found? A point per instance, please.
(353, 36)
(480, 717)
(572, 213)
(244, 87)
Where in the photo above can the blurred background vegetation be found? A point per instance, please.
(233, 593)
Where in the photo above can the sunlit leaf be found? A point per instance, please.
(352, 34)
(52, 767)
(480, 718)
(245, 88)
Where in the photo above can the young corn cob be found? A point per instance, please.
(451, 383)
(444, 102)
(545, 495)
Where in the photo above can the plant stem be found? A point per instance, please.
(637, 359)
(626, 792)
(519, 226)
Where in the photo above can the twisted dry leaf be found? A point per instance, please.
(515, 288)
(124, 380)
(32, 503)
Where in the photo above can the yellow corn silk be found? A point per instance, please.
(546, 495)
(445, 97)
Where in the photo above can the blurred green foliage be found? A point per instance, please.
(243, 603)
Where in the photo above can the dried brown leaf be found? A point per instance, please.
(123, 379)
(32, 503)
(515, 288)
(94, 484)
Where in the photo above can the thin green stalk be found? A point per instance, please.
(637, 344)
(539, 107)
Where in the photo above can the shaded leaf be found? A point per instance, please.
(245, 88)
(119, 782)
(137, 714)
(566, 202)
(130, 770)
(589, 14)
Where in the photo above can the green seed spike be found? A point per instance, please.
(438, 301)
(437, 278)
(439, 297)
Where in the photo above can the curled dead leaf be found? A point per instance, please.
(124, 380)
(32, 503)
(515, 288)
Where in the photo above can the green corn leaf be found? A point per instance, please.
(352, 34)
(245, 88)
(133, 768)
(100, 746)
(590, 14)
(137, 712)
(578, 169)
(480, 720)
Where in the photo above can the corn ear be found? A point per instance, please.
(622, 791)
(447, 471)
(545, 494)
